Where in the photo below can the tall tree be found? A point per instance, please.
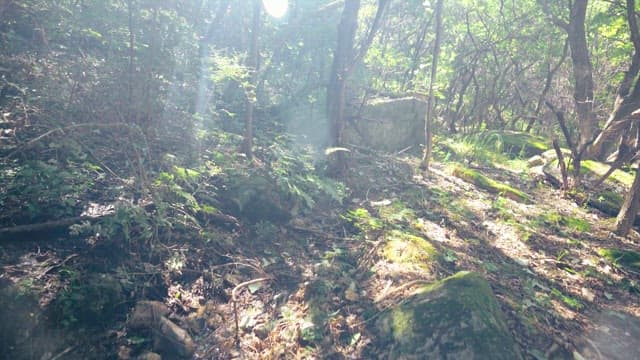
(428, 123)
(345, 58)
(582, 78)
(627, 96)
(630, 208)
(342, 58)
(252, 64)
(582, 74)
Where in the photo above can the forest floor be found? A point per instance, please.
(313, 287)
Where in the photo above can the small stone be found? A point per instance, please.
(261, 331)
(522, 262)
(214, 321)
(146, 314)
(196, 321)
(149, 356)
(535, 161)
(173, 339)
(588, 294)
(124, 353)
(351, 293)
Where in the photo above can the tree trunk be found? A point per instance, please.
(627, 96)
(252, 63)
(630, 208)
(582, 76)
(428, 123)
(551, 71)
(342, 58)
(131, 54)
(582, 79)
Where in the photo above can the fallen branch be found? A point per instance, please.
(46, 226)
(55, 266)
(563, 167)
(61, 130)
(234, 293)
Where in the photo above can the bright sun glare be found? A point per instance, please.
(276, 8)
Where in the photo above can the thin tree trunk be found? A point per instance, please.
(547, 86)
(582, 76)
(252, 63)
(628, 93)
(342, 58)
(345, 59)
(582, 79)
(131, 56)
(415, 57)
(428, 123)
(630, 208)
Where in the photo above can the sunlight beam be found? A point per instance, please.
(275, 8)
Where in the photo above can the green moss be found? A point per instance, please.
(363, 220)
(397, 212)
(599, 169)
(607, 201)
(407, 249)
(567, 300)
(517, 144)
(575, 224)
(557, 220)
(491, 147)
(457, 317)
(626, 258)
(490, 185)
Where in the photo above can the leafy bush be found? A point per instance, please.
(44, 190)
(293, 170)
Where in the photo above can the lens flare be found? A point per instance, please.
(275, 8)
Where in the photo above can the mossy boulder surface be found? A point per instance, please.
(257, 198)
(517, 144)
(625, 258)
(490, 185)
(388, 124)
(455, 318)
(409, 250)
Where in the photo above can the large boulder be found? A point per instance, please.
(456, 318)
(168, 338)
(257, 197)
(388, 124)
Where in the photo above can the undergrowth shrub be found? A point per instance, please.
(40, 190)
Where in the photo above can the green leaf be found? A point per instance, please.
(254, 287)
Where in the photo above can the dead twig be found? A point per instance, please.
(403, 287)
(320, 233)
(47, 226)
(63, 353)
(62, 130)
(563, 166)
(55, 266)
(234, 294)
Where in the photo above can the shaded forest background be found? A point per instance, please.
(158, 78)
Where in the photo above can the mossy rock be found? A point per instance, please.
(257, 198)
(625, 258)
(410, 250)
(516, 144)
(596, 169)
(490, 185)
(607, 201)
(388, 124)
(610, 203)
(550, 155)
(456, 318)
